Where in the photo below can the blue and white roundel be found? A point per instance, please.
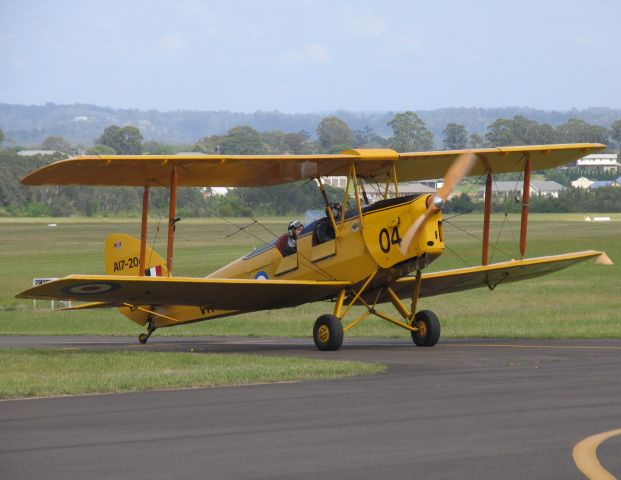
(261, 276)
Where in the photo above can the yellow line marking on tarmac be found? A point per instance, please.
(585, 456)
(553, 347)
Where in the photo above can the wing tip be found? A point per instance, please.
(603, 259)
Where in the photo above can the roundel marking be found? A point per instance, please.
(261, 276)
(91, 288)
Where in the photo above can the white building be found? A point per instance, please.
(603, 161)
(336, 182)
(375, 193)
(32, 153)
(542, 188)
(582, 182)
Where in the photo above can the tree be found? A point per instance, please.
(157, 148)
(56, 143)
(334, 131)
(500, 133)
(367, 138)
(208, 145)
(557, 175)
(242, 141)
(615, 133)
(1, 138)
(124, 140)
(475, 141)
(101, 150)
(575, 130)
(278, 141)
(297, 142)
(410, 133)
(521, 131)
(455, 137)
(459, 204)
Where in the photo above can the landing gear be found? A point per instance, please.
(428, 332)
(143, 337)
(424, 326)
(328, 333)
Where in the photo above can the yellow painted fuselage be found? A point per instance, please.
(363, 243)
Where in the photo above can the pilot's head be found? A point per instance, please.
(295, 228)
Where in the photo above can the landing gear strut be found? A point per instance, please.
(424, 325)
(143, 337)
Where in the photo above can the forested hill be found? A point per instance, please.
(81, 124)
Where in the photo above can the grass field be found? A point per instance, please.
(580, 302)
(35, 373)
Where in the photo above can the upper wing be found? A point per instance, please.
(212, 293)
(205, 170)
(264, 170)
(425, 165)
(490, 276)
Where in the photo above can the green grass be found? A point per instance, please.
(35, 373)
(581, 302)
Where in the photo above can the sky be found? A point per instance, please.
(311, 56)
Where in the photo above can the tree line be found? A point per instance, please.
(332, 134)
(80, 124)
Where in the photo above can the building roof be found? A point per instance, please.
(413, 188)
(516, 186)
(31, 153)
(546, 185)
(598, 159)
(605, 183)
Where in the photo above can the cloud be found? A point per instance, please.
(171, 43)
(313, 53)
(364, 23)
(410, 42)
(582, 41)
(165, 48)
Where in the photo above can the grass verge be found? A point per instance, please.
(580, 302)
(37, 373)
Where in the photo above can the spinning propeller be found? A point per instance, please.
(456, 172)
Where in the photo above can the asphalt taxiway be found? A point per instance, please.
(465, 409)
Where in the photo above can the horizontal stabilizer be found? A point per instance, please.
(90, 305)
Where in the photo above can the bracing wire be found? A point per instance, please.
(312, 266)
(157, 230)
(506, 221)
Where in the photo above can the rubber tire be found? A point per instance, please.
(432, 329)
(332, 325)
(142, 338)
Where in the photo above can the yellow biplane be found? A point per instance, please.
(357, 254)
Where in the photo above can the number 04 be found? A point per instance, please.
(386, 239)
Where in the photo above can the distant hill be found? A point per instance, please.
(81, 124)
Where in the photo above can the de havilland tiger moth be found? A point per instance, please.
(358, 253)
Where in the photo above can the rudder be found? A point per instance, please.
(122, 257)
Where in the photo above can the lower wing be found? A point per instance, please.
(211, 293)
(490, 276)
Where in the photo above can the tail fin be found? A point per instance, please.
(122, 257)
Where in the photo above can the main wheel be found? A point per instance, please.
(328, 333)
(143, 337)
(428, 332)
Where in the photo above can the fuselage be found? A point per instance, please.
(363, 242)
(359, 246)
